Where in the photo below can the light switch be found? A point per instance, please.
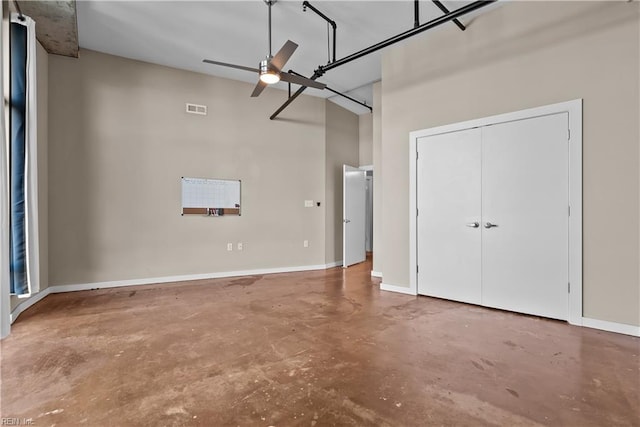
(308, 203)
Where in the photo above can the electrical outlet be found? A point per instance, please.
(305, 243)
(308, 203)
(229, 246)
(240, 246)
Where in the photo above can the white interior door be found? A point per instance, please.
(448, 222)
(525, 195)
(354, 214)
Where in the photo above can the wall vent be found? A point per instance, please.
(197, 109)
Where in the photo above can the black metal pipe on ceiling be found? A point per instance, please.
(416, 13)
(397, 38)
(20, 15)
(349, 98)
(337, 93)
(292, 98)
(305, 5)
(445, 10)
(410, 33)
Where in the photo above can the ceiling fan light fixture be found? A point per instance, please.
(267, 74)
(270, 78)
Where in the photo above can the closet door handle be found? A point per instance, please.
(489, 225)
(473, 224)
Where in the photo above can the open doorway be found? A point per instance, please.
(357, 231)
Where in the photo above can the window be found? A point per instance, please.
(22, 167)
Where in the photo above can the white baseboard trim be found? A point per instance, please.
(56, 289)
(28, 303)
(186, 278)
(376, 274)
(604, 325)
(398, 289)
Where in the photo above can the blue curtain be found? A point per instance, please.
(17, 122)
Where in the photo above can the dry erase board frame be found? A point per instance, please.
(211, 197)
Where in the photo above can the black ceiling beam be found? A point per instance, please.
(292, 97)
(364, 104)
(409, 33)
(388, 42)
(445, 10)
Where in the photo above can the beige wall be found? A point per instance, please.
(517, 56)
(341, 148)
(42, 71)
(119, 142)
(365, 132)
(377, 177)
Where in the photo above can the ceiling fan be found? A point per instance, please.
(270, 70)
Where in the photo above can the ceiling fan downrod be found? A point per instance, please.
(270, 3)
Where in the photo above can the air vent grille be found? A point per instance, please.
(197, 109)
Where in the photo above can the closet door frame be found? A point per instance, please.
(574, 110)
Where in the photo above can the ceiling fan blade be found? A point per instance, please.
(224, 64)
(259, 88)
(283, 55)
(302, 81)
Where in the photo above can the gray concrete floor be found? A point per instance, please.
(311, 349)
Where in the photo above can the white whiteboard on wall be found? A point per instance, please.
(213, 197)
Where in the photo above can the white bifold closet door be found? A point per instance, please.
(493, 216)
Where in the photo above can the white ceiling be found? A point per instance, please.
(181, 34)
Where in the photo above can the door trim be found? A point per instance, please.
(574, 110)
